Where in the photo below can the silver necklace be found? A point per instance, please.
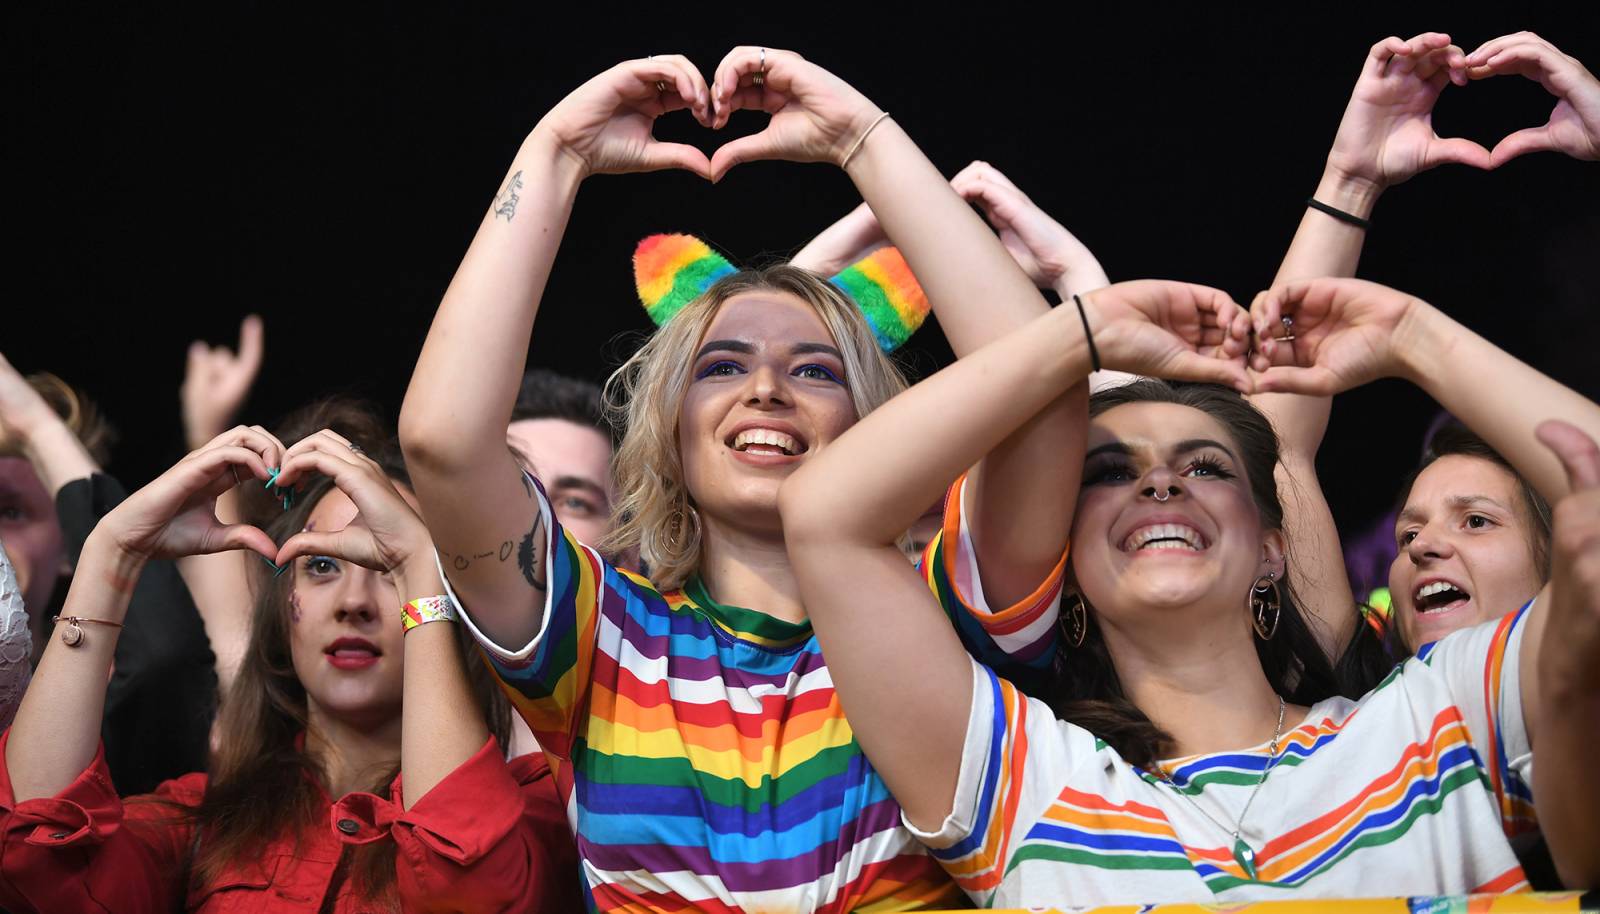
(1243, 853)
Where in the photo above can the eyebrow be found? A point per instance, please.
(1456, 502)
(726, 346)
(745, 348)
(824, 348)
(581, 482)
(1183, 447)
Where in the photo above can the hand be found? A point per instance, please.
(176, 515)
(1346, 333)
(387, 535)
(1172, 330)
(816, 116)
(1575, 561)
(22, 410)
(1386, 134)
(217, 382)
(1046, 251)
(606, 123)
(1574, 125)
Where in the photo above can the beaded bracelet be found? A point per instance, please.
(423, 610)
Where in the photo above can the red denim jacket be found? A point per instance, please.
(491, 836)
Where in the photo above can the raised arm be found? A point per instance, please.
(1385, 137)
(171, 517)
(216, 383)
(975, 287)
(1563, 703)
(1051, 256)
(29, 425)
(1350, 332)
(453, 423)
(904, 678)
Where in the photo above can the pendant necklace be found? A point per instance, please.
(1243, 853)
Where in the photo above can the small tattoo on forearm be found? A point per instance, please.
(530, 555)
(461, 561)
(506, 204)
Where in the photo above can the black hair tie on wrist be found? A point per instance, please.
(1339, 214)
(1094, 354)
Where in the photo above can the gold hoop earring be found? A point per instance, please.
(1076, 620)
(1265, 599)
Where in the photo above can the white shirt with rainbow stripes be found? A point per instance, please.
(1413, 790)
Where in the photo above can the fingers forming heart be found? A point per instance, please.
(1573, 126)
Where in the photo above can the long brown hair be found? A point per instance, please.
(1085, 689)
(262, 785)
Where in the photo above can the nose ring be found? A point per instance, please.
(1164, 495)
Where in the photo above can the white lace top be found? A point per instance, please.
(16, 645)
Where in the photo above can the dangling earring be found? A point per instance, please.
(684, 529)
(1266, 600)
(1076, 621)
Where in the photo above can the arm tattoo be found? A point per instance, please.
(506, 204)
(461, 561)
(530, 555)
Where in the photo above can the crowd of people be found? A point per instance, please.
(685, 663)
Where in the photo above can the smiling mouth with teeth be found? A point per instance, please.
(1164, 536)
(766, 441)
(1437, 597)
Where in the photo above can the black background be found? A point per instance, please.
(174, 170)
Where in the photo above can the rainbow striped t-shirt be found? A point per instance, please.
(1412, 790)
(702, 754)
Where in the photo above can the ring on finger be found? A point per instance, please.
(357, 449)
(661, 86)
(760, 79)
(1288, 330)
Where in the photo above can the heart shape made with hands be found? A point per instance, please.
(1573, 126)
(812, 114)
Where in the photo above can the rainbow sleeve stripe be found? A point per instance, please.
(889, 296)
(1018, 640)
(672, 270)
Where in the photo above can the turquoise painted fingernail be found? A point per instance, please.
(272, 477)
(276, 568)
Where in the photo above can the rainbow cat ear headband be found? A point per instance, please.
(672, 270)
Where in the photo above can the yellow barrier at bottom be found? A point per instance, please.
(1519, 903)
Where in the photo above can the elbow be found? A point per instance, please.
(805, 509)
(816, 511)
(430, 442)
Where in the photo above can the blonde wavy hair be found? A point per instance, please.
(653, 510)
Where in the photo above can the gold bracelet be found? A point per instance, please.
(864, 134)
(72, 635)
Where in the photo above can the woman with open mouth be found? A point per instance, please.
(351, 743)
(1191, 749)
